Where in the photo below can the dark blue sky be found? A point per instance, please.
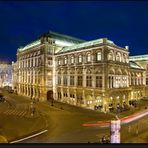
(124, 22)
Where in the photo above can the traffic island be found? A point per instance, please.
(3, 139)
(14, 127)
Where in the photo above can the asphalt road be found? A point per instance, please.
(65, 127)
(65, 124)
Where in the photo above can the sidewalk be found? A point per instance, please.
(125, 117)
(140, 107)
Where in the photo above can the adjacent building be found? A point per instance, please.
(5, 74)
(142, 60)
(83, 73)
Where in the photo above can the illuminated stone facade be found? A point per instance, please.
(83, 73)
(35, 65)
(142, 60)
(5, 74)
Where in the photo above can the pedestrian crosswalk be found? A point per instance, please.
(19, 113)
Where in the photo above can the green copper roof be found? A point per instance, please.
(60, 40)
(139, 58)
(86, 44)
(135, 65)
(33, 44)
(63, 37)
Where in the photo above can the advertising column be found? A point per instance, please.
(115, 131)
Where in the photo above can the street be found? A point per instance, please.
(64, 123)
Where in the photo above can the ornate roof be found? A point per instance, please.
(135, 65)
(89, 43)
(139, 58)
(60, 40)
(64, 38)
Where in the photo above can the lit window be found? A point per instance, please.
(72, 60)
(110, 56)
(80, 58)
(59, 62)
(118, 57)
(88, 57)
(98, 56)
(65, 60)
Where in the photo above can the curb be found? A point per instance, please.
(34, 135)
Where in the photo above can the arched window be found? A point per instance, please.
(65, 60)
(110, 56)
(80, 58)
(88, 57)
(98, 56)
(125, 60)
(118, 57)
(72, 59)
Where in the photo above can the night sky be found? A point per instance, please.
(123, 22)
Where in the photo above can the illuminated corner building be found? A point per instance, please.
(5, 74)
(83, 73)
(35, 65)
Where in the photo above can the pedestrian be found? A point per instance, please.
(33, 110)
(103, 139)
(129, 129)
(34, 101)
(137, 130)
(108, 140)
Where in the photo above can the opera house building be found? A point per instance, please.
(88, 74)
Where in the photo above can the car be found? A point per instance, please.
(2, 99)
(145, 99)
(11, 91)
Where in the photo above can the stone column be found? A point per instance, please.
(84, 77)
(75, 94)
(62, 96)
(84, 99)
(27, 89)
(68, 93)
(105, 104)
(61, 79)
(33, 92)
(93, 97)
(68, 78)
(24, 90)
(121, 81)
(93, 81)
(30, 91)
